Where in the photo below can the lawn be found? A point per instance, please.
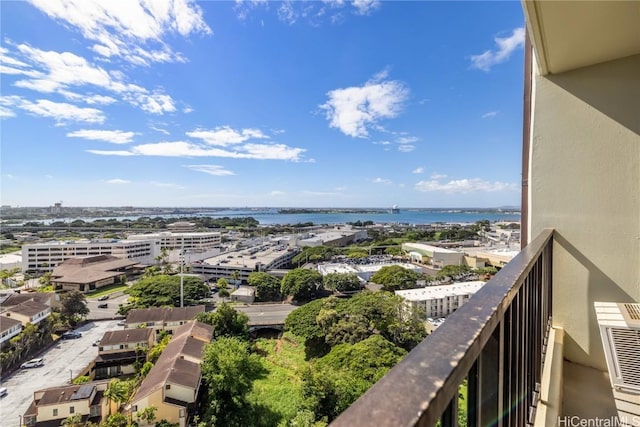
(106, 290)
(277, 396)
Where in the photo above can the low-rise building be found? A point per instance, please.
(363, 271)
(119, 350)
(335, 238)
(51, 406)
(439, 301)
(436, 256)
(9, 328)
(245, 294)
(173, 384)
(160, 319)
(91, 272)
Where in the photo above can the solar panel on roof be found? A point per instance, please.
(83, 392)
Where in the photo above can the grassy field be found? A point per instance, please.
(109, 289)
(277, 396)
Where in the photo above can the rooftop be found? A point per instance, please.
(164, 314)
(441, 291)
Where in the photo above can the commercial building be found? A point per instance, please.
(173, 384)
(44, 257)
(245, 294)
(188, 241)
(338, 238)
(91, 272)
(242, 263)
(433, 255)
(363, 271)
(439, 301)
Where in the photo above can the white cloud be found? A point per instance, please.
(118, 181)
(382, 142)
(407, 139)
(188, 149)
(133, 30)
(225, 135)
(490, 115)
(58, 72)
(352, 110)
(187, 110)
(216, 170)
(113, 136)
(438, 176)
(504, 47)
(157, 129)
(167, 185)
(381, 181)
(419, 169)
(61, 112)
(364, 7)
(277, 193)
(406, 148)
(465, 186)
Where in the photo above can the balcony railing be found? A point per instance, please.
(493, 346)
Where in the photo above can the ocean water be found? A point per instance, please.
(404, 216)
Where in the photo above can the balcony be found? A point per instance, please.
(495, 361)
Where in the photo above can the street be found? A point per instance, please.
(266, 313)
(113, 303)
(65, 359)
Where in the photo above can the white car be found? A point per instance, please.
(33, 363)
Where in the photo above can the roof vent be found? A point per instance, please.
(620, 332)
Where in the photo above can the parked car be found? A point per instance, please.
(96, 343)
(71, 335)
(33, 363)
(104, 305)
(3, 391)
(103, 298)
(121, 323)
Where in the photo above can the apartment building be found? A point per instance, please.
(162, 318)
(45, 257)
(173, 384)
(187, 241)
(51, 406)
(9, 328)
(439, 301)
(26, 308)
(119, 350)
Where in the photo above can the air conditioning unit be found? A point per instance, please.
(620, 331)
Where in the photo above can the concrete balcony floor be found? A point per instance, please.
(587, 393)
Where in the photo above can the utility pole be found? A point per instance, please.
(181, 273)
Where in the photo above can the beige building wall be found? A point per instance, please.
(584, 181)
(182, 393)
(45, 413)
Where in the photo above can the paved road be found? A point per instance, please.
(267, 313)
(113, 302)
(65, 358)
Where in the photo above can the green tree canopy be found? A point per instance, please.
(452, 270)
(226, 322)
(395, 277)
(315, 254)
(267, 286)
(73, 307)
(162, 290)
(228, 369)
(342, 282)
(301, 283)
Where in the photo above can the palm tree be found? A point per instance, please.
(73, 421)
(116, 393)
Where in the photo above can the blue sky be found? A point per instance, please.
(255, 103)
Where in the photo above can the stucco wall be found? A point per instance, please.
(585, 182)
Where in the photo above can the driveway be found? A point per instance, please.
(266, 313)
(65, 358)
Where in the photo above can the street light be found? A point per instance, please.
(181, 274)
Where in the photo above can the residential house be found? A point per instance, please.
(172, 385)
(162, 318)
(51, 406)
(119, 350)
(28, 312)
(9, 328)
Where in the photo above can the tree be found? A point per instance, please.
(452, 270)
(73, 421)
(73, 307)
(148, 414)
(226, 322)
(342, 282)
(156, 350)
(395, 277)
(301, 284)
(116, 393)
(116, 420)
(163, 290)
(228, 369)
(267, 286)
(81, 379)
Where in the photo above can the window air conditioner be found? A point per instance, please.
(620, 331)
